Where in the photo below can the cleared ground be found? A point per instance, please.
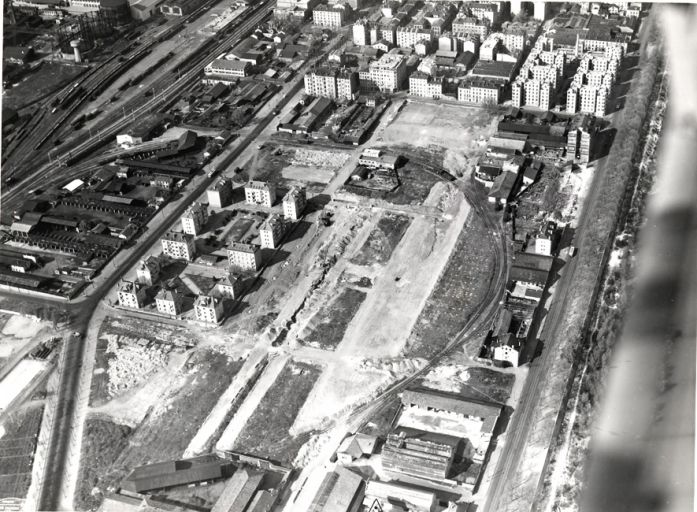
(328, 326)
(17, 447)
(461, 287)
(48, 77)
(266, 433)
(382, 240)
(167, 428)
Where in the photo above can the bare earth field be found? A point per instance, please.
(328, 326)
(266, 433)
(17, 447)
(461, 287)
(48, 77)
(382, 240)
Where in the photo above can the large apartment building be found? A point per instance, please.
(208, 309)
(271, 232)
(388, 74)
(131, 295)
(244, 256)
(425, 86)
(294, 203)
(220, 194)
(194, 218)
(480, 91)
(179, 246)
(328, 16)
(333, 83)
(260, 192)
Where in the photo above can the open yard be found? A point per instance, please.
(48, 77)
(17, 447)
(383, 239)
(328, 326)
(444, 125)
(461, 287)
(266, 434)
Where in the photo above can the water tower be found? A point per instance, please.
(75, 45)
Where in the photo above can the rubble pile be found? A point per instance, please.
(134, 361)
(312, 158)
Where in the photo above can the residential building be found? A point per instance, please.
(179, 246)
(480, 91)
(229, 287)
(261, 193)
(208, 309)
(425, 86)
(407, 37)
(220, 194)
(148, 272)
(244, 256)
(271, 232)
(131, 295)
(169, 302)
(545, 240)
(361, 33)
(333, 83)
(294, 203)
(503, 189)
(227, 68)
(195, 218)
(388, 74)
(328, 16)
(471, 25)
(341, 490)
(580, 138)
(489, 48)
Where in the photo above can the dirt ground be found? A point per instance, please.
(327, 328)
(17, 451)
(382, 240)
(49, 77)
(266, 433)
(461, 287)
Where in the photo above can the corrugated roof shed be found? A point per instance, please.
(238, 491)
(163, 475)
(340, 490)
(436, 399)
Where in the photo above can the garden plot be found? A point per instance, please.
(462, 286)
(267, 432)
(383, 239)
(327, 327)
(18, 436)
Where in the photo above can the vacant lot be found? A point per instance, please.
(102, 444)
(383, 239)
(266, 434)
(329, 324)
(17, 451)
(438, 125)
(461, 287)
(413, 185)
(169, 426)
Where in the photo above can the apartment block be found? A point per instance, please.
(361, 33)
(208, 309)
(148, 271)
(407, 37)
(331, 83)
(389, 72)
(169, 302)
(220, 194)
(294, 203)
(327, 16)
(244, 256)
(179, 246)
(230, 286)
(425, 86)
(271, 232)
(131, 295)
(479, 91)
(260, 193)
(194, 218)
